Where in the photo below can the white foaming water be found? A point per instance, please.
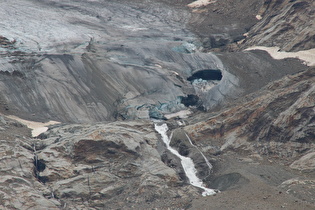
(204, 157)
(187, 163)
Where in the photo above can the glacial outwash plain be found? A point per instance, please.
(157, 104)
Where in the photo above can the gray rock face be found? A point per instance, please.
(114, 165)
(305, 163)
(224, 22)
(108, 166)
(18, 187)
(287, 24)
(276, 121)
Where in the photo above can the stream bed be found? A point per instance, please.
(187, 163)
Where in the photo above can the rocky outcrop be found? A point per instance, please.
(277, 121)
(18, 187)
(287, 24)
(273, 126)
(109, 166)
(116, 165)
(306, 163)
(223, 22)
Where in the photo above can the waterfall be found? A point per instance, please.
(187, 163)
(204, 157)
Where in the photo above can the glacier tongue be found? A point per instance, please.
(187, 163)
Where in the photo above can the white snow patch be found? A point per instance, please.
(37, 127)
(187, 163)
(308, 56)
(200, 3)
(181, 114)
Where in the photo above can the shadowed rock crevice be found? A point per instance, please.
(39, 166)
(173, 162)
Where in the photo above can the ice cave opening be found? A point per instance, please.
(206, 74)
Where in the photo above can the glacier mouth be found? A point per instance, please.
(100, 60)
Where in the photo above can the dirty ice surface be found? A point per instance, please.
(54, 26)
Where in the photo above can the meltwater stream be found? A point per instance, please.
(204, 157)
(187, 163)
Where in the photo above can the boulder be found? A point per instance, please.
(306, 163)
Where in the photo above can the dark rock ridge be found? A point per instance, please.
(224, 26)
(85, 88)
(287, 24)
(224, 22)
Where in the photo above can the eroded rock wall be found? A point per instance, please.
(115, 165)
(287, 24)
(277, 121)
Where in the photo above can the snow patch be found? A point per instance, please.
(37, 127)
(181, 114)
(308, 56)
(200, 3)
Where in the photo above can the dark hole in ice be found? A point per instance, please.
(207, 74)
(190, 100)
